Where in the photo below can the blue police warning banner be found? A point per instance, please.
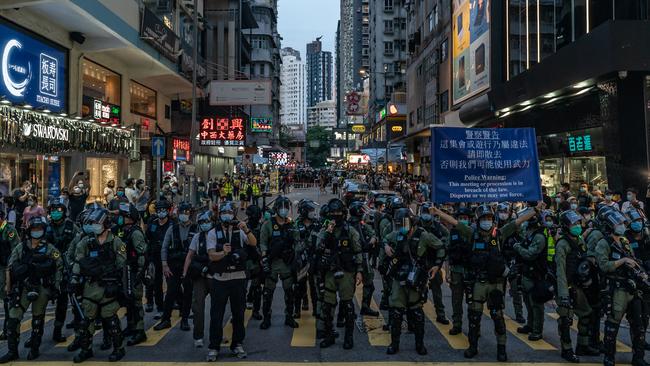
(484, 165)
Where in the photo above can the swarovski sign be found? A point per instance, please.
(45, 132)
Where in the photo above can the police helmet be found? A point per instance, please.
(98, 216)
(203, 217)
(503, 207)
(227, 207)
(128, 210)
(394, 203)
(569, 218)
(463, 211)
(253, 212)
(184, 207)
(163, 205)
(404, 218)
(335, 206)
(484, 210)
(58, 203)
(357, 209)
(37, 221)
(547, 214)
(305, 207)
(614, 218)
(602, 211)
(324, 212)
(425, 215)
(281, 202)
(634, 215)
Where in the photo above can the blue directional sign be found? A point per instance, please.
(158, 146)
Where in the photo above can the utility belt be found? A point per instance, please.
(411, 275)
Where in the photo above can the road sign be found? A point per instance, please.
(157, 146)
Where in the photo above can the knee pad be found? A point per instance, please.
(114, 326)
(267, 292)
(417, 314)
(37, 325)
(495, 300)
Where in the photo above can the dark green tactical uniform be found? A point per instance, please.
(279, 243)
(308, 232)
(35, 269)
(253, 268)
(341, 259)
(534, 269)
(414, 254)
(459, 251)
(439, 231)
(514, 280)
(385, 228)
(8, 241)
(368, 242)
(101, 265)
(639, 239)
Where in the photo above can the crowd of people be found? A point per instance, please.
(584, 252)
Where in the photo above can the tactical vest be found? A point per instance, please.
(618, 251)
(5, 245)
(459, 250)
(363, 236)
(178, 248)
(156, 235)
(126, 233)
(641, 247)
(236, 260)
(487, 261)
(100, 262)
(536, 267)
(573, 260)
(62, 241)
(408, 261)
(38, 263)
(281, 242)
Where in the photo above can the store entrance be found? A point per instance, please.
(573, 170)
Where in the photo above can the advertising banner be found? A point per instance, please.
(470, 48)
(240, 92)
(33, 71)
(222, 131)
(262, 124)
(154, 31)
(484, 165)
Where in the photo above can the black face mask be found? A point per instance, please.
(338, 219)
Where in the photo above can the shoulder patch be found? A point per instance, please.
(122, 248)
(275, 227)
(11, 234)
(344, 243)
(56, 254)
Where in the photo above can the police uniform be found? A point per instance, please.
(255, 275)
(35, 277)
(435, 284)
(101, 266)
(366, 235)
(640, 244)
(385, 228)
(279, 242)
(413, 257)
(341, 259)
(155, 236)
(308, 235)
(459, 251)
(8, 241)
(514, 281)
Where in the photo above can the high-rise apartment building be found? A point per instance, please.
(319, 73)
(293, 110)
(353, 49)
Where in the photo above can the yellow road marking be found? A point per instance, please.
(154, 336)
(512, 326)
(377, 336)
(620, 346)
(458, 341)
(26, 325)
(120, 314)
(305, 335)
(227, 329)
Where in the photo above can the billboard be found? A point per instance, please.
(240, 92)
(154, 31)
(484, 165)
(470, 48)
(358, 159)
(222, 131)
(262, 124)
(33, 71)
(278, 158)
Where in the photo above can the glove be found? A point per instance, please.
(564, 301)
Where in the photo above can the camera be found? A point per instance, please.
(338, 274)
(235, 257)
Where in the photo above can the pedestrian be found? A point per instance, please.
(632, 202)
(109, 191)
(21, 196)
(142, 197)
(79, 191)
(33, 209)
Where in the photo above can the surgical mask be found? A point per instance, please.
(426, 217)
(120, 220)
(503, 216)
(630, 197)
(56, 215)
(162, 214)
(619, 229)
(283, 212)
(485, 225)
(312, 215)
(31, 203)
(574, 206)
(226, 217)
(575, 230)
(403, 230)
(583, 189)
(97, 229)
(87, 228)
(464, 222)
(548, 223)
(206, 226)
(36, 234)
(558, 200)
(636, 226)
(608, 197)
(120, 193)
(183, 218)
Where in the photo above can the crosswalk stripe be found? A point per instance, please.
(377, 336)
(120, 314)
(154, 336)
(620, 346)
(227, 329)
(305, 335)
(512, 326)
(458, 341)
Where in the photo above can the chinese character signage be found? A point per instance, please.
(580, 143)
(278, 158)
(262, 124)
(181, 149)
(155, 32)
(101, 111)
(222, 131)
(484, 165)
(33, 71)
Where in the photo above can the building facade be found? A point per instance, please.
(293, 111)
(353, 28)
(322, 114)
(319, 73)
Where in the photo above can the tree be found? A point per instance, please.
(318, 146)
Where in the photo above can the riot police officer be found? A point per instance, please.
(34, 274)
(9, 239)
(572, 271)
(505, 215)
(639, 239)
(340, 254)
(173, 253)
(459, 251)
(386, 227)
(534, 267)
(427, 222)
(368, 244)
(308, 228)
(416, 256)
(129, 231)
(279, 242)
(488, 270)
(253, 267)
(627, 282)
(100, 260)
(156, 230)
(60, 232)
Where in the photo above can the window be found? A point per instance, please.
(143, 100)
(388, 5)
(444, 101)
(444, 50)
(100, 83)
(387, 67)
(388, 48)
(388, 91)
(388, 26)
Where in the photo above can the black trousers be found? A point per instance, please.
(61, 309)
(154, 293)
(220, 293)
(178, 291)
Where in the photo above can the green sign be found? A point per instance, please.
(581, 143)
(382, 114)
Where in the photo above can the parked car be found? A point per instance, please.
(354, 190)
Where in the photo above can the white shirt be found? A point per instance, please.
(109, 194)
(628, 205)
(131, 194)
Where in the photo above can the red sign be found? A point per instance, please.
(181, 149)
(168, 166)
(222, 132)
(145, 124)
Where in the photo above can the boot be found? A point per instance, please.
(526, 329)
(57, 335)
(83, 355)
(117, 339)
(290, 322)
(502, 356)
(609, 343)
(305, 302)
(348, 341)
(455, 330)
(396, 318)
(116, 355)
(12, 341)
(138, 337)
(185, 325)
(85, 342)
(74, 345)
(266, 308)
(289, 303)
(328, 336)
(418, 330)
(568, 355)
(164, 324)
(638, 342)
(37, 335)
(474, 318)
(256, 315)
(107, 343)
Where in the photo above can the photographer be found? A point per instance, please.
(225, 245)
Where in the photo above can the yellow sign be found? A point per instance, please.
(396, 128)
(358, 128)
